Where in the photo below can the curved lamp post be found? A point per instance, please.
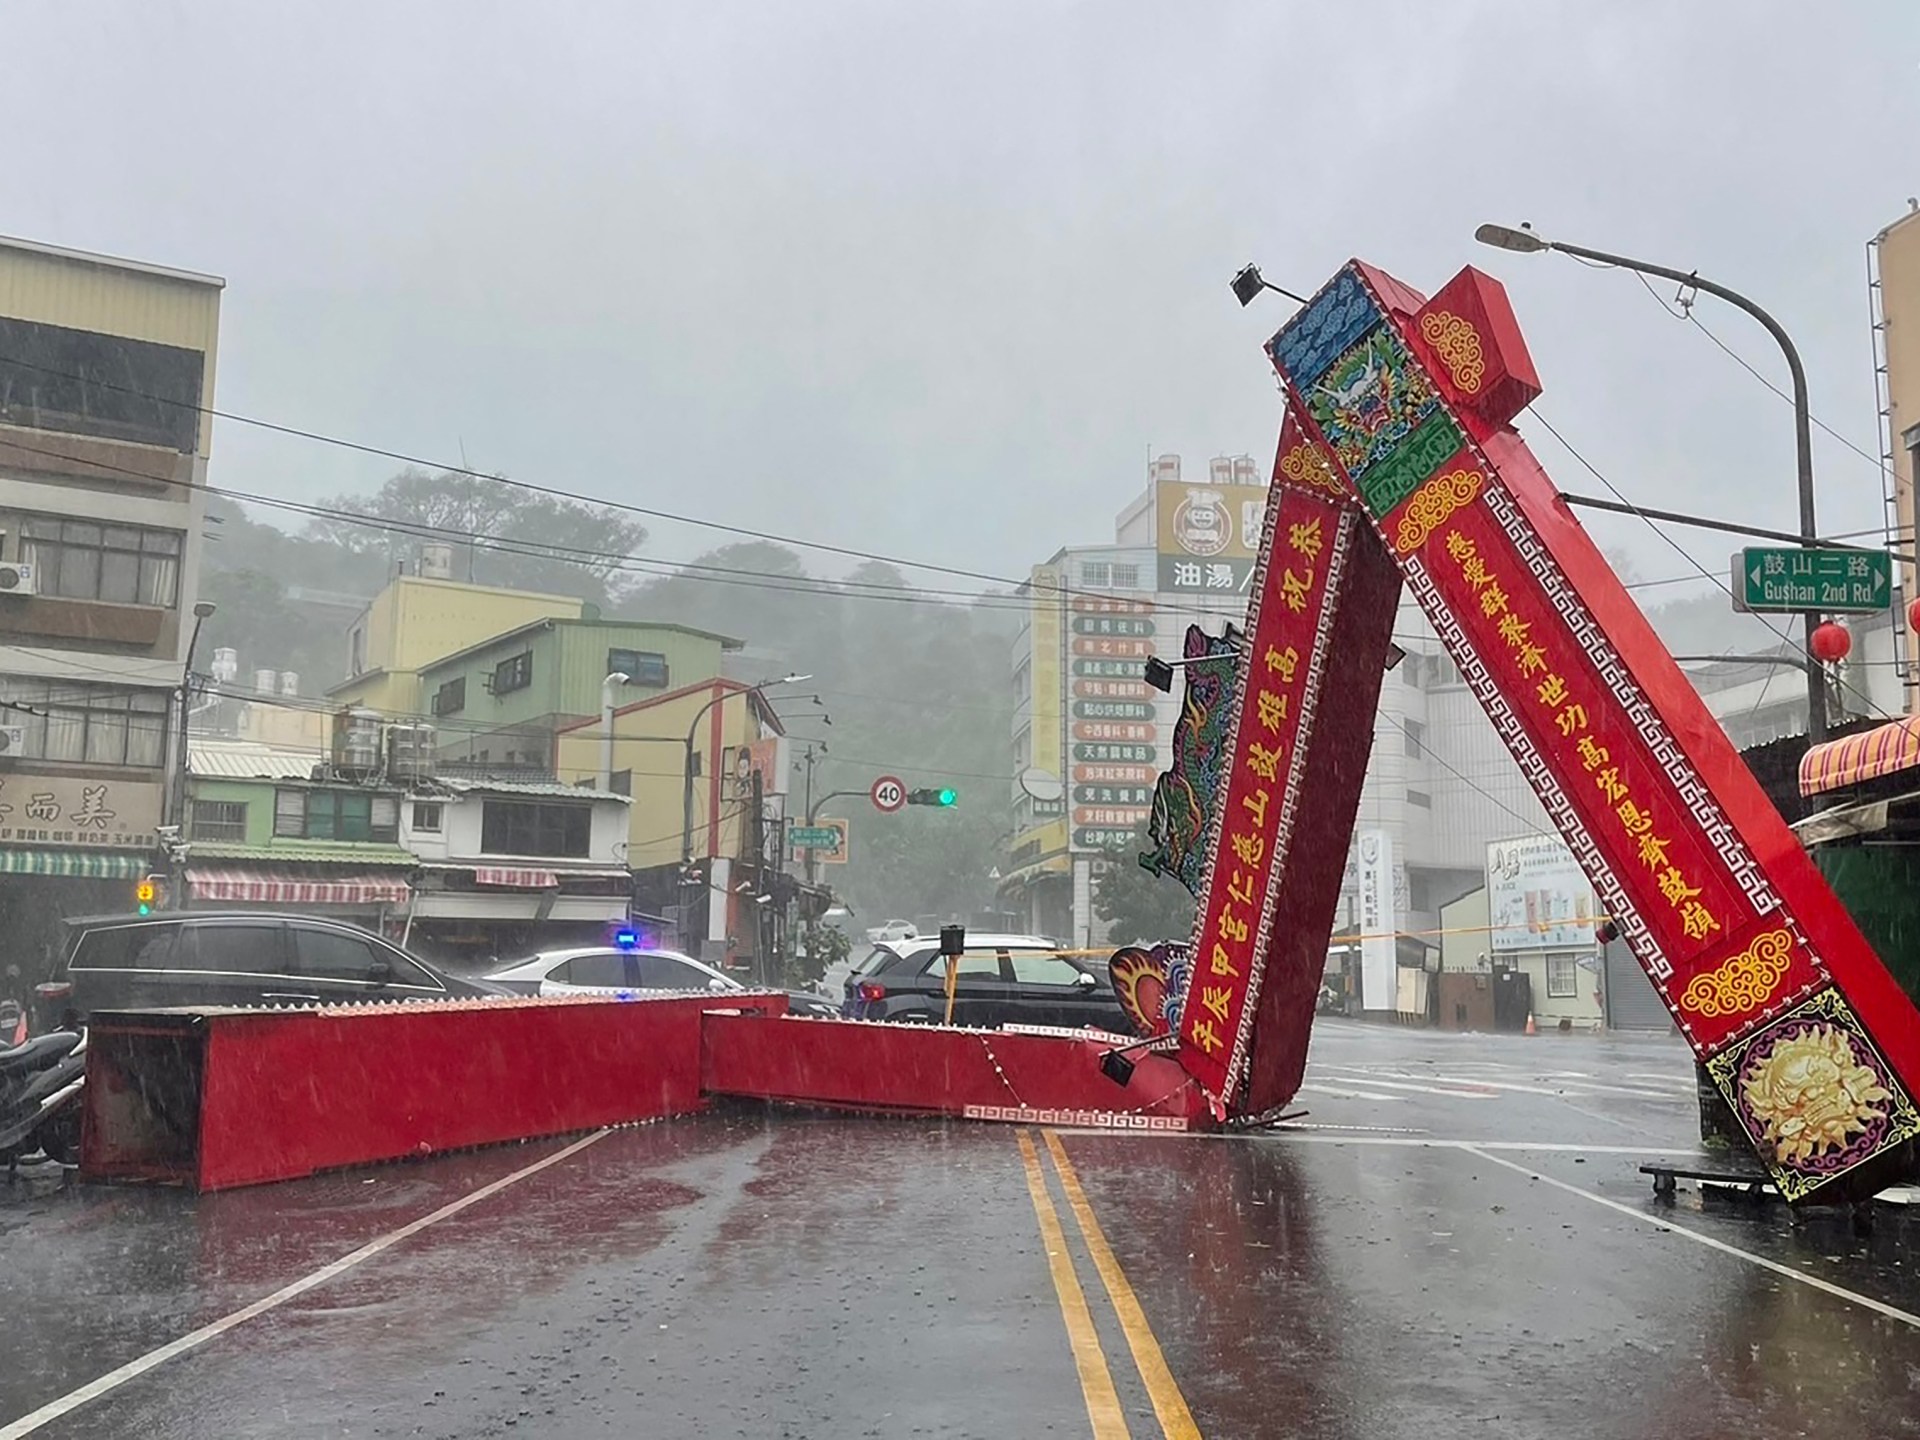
(1525, 242)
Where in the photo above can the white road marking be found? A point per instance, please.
(1879, 1307)
(1561, 1084)
(1364, 1078)
(1316, 1088)
(113, 1379)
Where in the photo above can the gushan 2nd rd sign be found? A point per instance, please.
(1786, 579)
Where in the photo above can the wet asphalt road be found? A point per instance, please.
(1455, 1240)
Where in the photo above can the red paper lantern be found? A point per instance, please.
(1913, 614)
(1831, 642)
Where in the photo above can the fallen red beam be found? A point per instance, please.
(1028, 1076)
(215, 1099)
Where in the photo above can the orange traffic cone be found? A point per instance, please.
(1532, 1029)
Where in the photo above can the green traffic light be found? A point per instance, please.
(947, 797)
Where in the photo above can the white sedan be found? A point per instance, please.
(609, 970)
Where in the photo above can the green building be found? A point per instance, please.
(263, 833)
(495, 706)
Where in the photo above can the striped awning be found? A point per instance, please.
(77, 864)
(1856, 759)
(271, 887)
(511, 878)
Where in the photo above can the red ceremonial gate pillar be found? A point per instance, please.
(1408, 402)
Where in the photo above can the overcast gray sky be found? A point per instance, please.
(930, 279)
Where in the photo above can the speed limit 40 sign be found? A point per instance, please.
(889, 793)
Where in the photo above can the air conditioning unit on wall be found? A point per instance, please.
(16, 579)
(13, 741)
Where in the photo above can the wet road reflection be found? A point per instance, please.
(768, 1273)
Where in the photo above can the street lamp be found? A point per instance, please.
(201, 612)
(607, 687)
(1524, 242)
(1250, 282)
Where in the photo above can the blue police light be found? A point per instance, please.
(626, 938)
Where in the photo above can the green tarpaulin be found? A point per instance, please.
(77, 864)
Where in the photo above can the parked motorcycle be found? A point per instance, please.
(40, 1097)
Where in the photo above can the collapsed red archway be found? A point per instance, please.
(1398, 462)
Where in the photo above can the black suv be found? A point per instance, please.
(207, 958)
(1001, 980)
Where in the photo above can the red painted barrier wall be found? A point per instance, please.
(1032, 1078)
(223, 1098)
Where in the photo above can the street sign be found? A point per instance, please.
(1788, 579)
(825, 843)
(889, 793)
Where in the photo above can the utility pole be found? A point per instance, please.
(761, 966)
(807, 810)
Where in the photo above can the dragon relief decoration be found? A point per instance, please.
(1183, 797)
(1370, 401)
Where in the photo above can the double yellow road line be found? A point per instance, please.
(1090, 1360)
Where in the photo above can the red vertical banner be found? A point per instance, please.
(1305, 546)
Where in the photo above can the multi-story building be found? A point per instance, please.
(418, 619)
(497, 705)
(1895, 270)
(1090, 737)
(271, 829)
(1440, 785)
(694, 848)
(106, 377)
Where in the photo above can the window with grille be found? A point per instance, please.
(1563, 977)
(336, 815)
(515, 673)
(1126, 577)
(223, 820)
(426, 816)
(1096, 574)
(646, 669)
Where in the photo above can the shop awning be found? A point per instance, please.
(512, 878)
(271, 887)
(77, 864)
(1856, 759)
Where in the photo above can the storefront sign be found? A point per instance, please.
(1121, 754)
(1112, 710)
(1207, 536)
(1113, 690)
(1537, 896)
(61, 810)
(1105, 730)
(1112, 625)
(1111, 647)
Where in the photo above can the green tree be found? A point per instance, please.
(822, 946)
(526, 540)
(1139, 906)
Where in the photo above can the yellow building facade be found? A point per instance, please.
(417, 620)
(649, 749)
